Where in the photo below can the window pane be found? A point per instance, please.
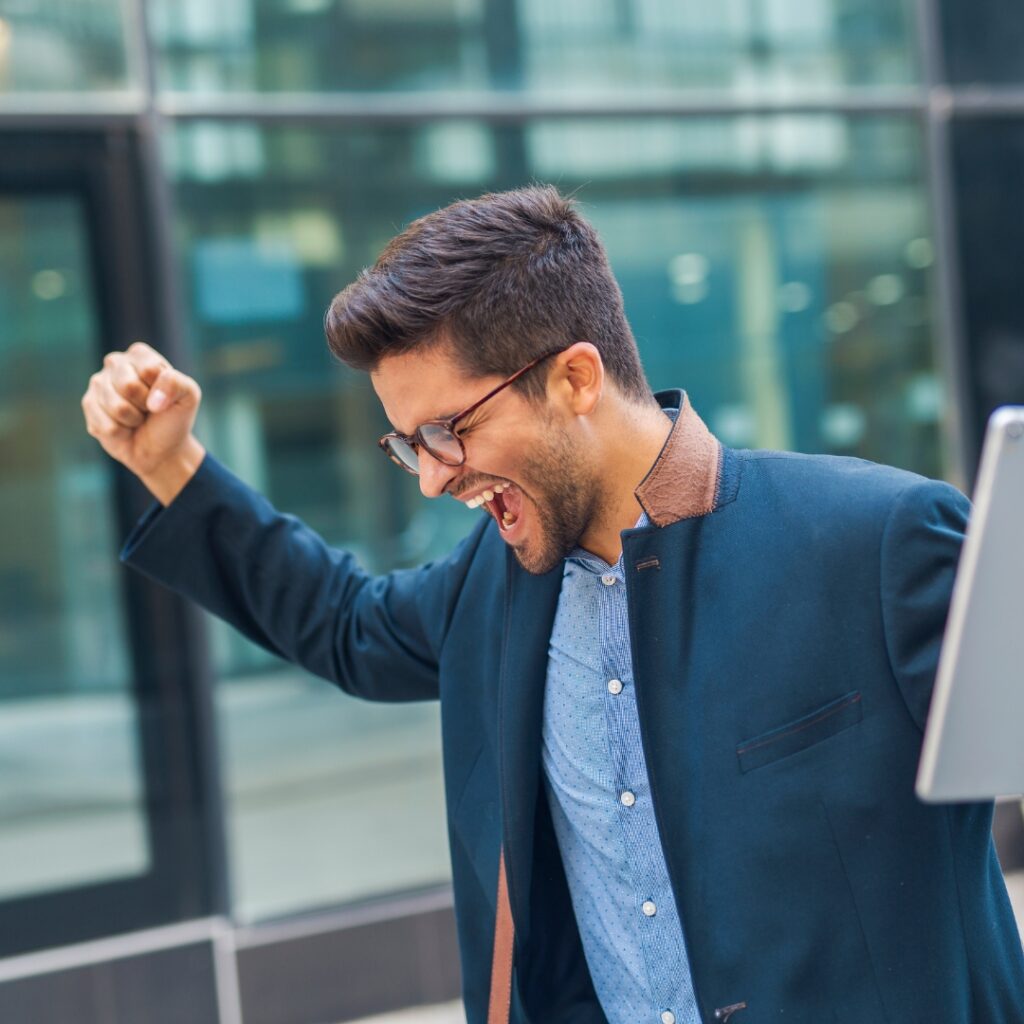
(70, 790)
(988, 167)
(572, 46)
(776, 267)
(66, 46)
(982, 41)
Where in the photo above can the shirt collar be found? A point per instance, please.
(595, 563)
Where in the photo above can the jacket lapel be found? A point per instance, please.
(530, 613)
(689, 479)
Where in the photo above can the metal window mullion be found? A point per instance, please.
(391, 107)
(951, 349)
(159, 205)
(132, 105)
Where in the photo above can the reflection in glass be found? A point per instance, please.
(776, 267)
(70, 789)
(982, 42)
(67, 47)
(754, 48)
(988, 165)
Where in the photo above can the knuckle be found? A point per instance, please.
(134, 391)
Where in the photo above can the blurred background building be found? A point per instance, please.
(815, 212)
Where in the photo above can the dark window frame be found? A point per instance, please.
(105, 168)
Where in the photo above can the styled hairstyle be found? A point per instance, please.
(502, 279)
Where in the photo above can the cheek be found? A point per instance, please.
(550, 467)
(497, 457)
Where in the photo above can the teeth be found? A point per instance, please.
(489, 494)
(508, 517)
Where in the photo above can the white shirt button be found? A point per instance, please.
(608, 579)
(668, 1017)
(615, 686)
(649, 908)
(627, 799)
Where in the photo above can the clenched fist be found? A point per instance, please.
(141, 410)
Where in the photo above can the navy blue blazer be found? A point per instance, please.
(786, 613)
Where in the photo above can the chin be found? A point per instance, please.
(539, 562)
(536, 567)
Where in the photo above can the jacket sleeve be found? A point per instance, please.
(921, 546)
(274, 579)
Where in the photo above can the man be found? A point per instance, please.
(683, 687)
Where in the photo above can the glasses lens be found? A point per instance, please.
(442, 444)
(402, 453)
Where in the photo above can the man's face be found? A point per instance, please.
(525, 449)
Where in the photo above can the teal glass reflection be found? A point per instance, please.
(62, 47)
(776, 267)
(71, 807)
(753, 49)
(981, 42)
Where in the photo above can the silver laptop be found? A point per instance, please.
(974, 740)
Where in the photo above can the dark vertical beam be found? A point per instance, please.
(197, 683)
(502, 43)
(504, 47)
(952, 348)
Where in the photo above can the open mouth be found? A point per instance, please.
(504, 501)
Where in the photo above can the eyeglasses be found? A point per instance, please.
(438, 437)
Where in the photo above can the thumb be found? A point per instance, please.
(169, 387)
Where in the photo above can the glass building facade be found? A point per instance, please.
(811, 210)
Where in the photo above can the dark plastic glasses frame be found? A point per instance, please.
(417, 440)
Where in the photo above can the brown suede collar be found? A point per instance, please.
(683, 482)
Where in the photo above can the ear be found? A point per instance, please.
(577, 378)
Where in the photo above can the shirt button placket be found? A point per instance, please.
(615, 687)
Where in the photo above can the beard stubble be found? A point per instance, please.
(565, 501)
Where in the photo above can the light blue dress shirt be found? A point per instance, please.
(600, 799)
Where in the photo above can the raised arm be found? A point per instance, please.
(217, 541)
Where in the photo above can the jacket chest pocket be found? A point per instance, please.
(801, 733)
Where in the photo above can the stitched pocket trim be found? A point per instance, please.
(801, 733)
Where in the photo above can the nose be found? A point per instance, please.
(434, 475)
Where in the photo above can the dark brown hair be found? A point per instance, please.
(503, 278)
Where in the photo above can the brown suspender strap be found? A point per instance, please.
(501, 965)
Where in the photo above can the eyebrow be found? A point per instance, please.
(429, 419)
(444, 417)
